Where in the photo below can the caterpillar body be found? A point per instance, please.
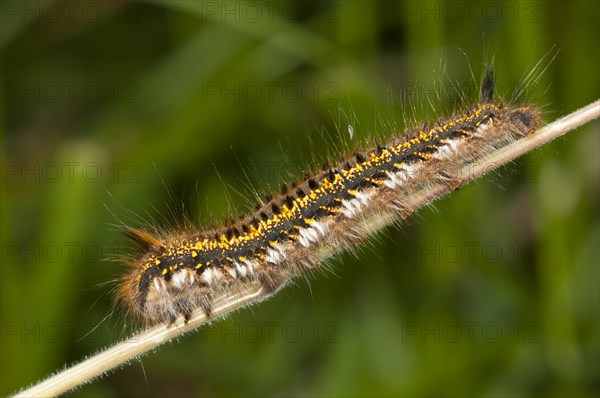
(178, 273)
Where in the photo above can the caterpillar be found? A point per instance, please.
(177, 273)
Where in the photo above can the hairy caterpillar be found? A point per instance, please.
(178, 273)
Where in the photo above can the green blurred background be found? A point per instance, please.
(493, 291)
